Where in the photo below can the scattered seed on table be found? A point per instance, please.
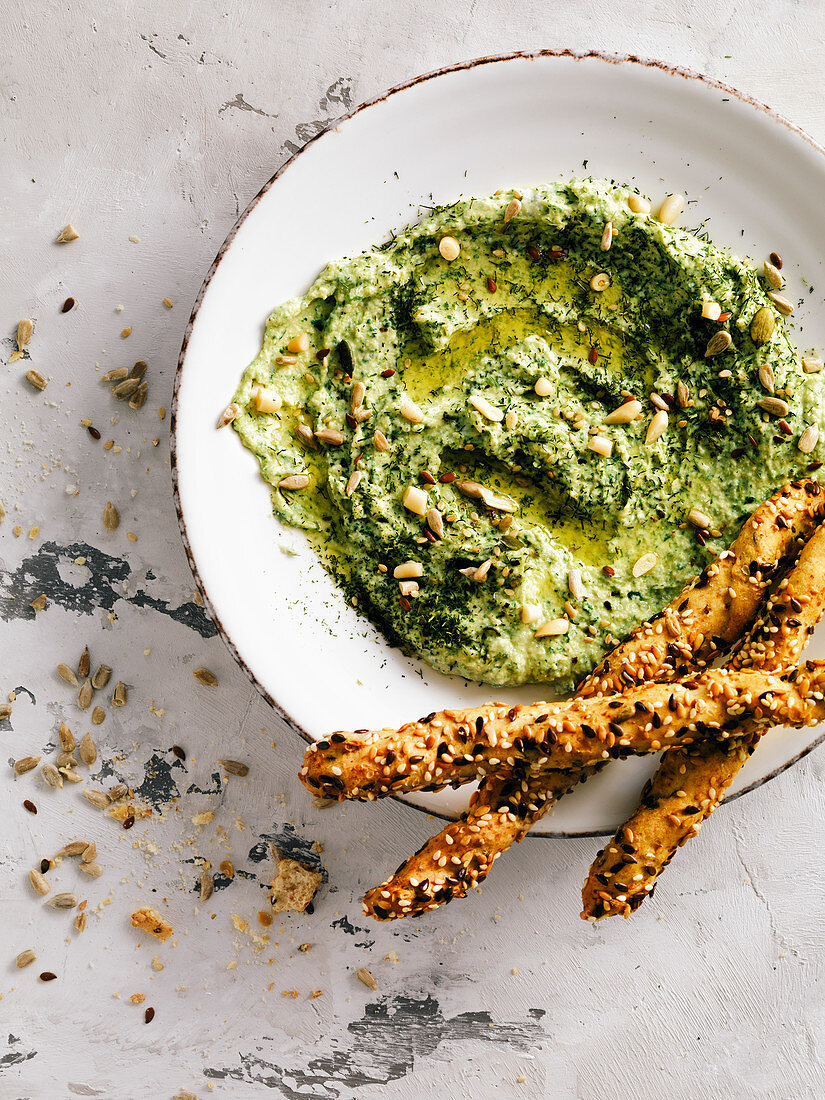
(25, 328)
(80, 921)
(227, 868)
(84, 696)
(207, 886)
(93, 870)
(89, 853)
(5, 710)
(67, 305)
(46, 865)
(36, 379)
(234, 767)
(71, 775)
(39, 883)
(129, 821)
(47, 976)
(63, 901)
(25, 958)
(29, 805)
(120, 790)
(26, 764)
(98, 716)
(67, 674)
(111, 517)
(119, 694)
(84, 665)
(67, 742)
(74, 848)
(51, 775)
(93, 432)
(148, 1015)
(363, 975)
(178, 751)
(97, 798)
(204, 676)
(101, 677)
(87, 750)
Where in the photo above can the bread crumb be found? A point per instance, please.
(148, 920)
(293, 887)
(138, 998)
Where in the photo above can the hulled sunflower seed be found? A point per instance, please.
(380, 440)
(228, 414)
(353, 482)
(84, 696)
(119, 695)
(84, 665)
(51, 775)
(101, 677)
(699, 519)
(435, 522)
(773, 276)
(645, 564)
(120, 790)
(331, 436)
(25, 958)
(71, 775)
(98, 716)
(204, 676)
(89, 853)
(25, 328)
(784, 306)
(36, 379)
(67, 674)
(93, 870)
(111, 517)
(74, 848)
(767, 378)
(294, 482)
(117, 374)
(553, 628)
(682, 395)
(774, 405)
(26, 764)
(97, 798)
(67, 233)
(363, 975)
(206, 885)
(234, 767)
(138, 398)
(811, 365)
(808, 439)
(87, 750)
(67, 741)
(496, 501)
(65, 900)
(66, 760)
(719, 342)
(39, 883)
(607, 237)
(513, 207)
(574, 583)
(762, 325)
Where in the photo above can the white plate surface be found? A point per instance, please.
(751, 178)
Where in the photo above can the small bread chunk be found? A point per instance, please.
(150, 921)
(293, 887)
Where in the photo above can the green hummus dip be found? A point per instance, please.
(438, 425)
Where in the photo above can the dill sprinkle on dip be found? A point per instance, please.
(515, 429)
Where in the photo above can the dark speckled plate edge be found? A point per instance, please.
(595, 55)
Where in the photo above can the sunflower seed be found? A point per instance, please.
(228, 415)
(71, 775)
(120, 790)
(51, 775)
(719, 342)
(117, 374)
(138, 370)
(67, 233)
(682, 395)
(207, 886)
(363, 975)
(63, 901)
(657, 427)
(119, 695)
(98, 716)
(574, 583)
(670, 209)
(234, 767)
(67, 674)
(26, 763)
(80, 921)
(204, 676)
(294, 481)
(74, 848)
(5, 710)
(553, 628)
(699, 519)
(111, 517)
(513, 207)
(330, 436)
(784, 306)
(125, 389)
(87, 750)
(89, 853)
(380, 440)
(774, 405)
(25, 958)
(773, 276)
(84, 664)
(93, 870)
(496, 501)
(767, 378)
(138, 398)
(97, 798)
(809, 439)
(625, 413)
(67, 741)
(101, 677)
(39, 882)
(435, 522)
(84, 696)
(645, 564)
(36, 379)
(25, 328)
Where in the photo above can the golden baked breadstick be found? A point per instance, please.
(508, 803)
(455, 747)
(696, 778)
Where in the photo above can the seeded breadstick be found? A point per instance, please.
(509, 802)
(691, 782)
(456, 747)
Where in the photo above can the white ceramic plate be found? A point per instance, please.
(755, 181)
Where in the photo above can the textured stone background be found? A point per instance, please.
(161, 121)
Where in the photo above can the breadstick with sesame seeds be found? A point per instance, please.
(692, 781)
(455, 747)
(509, 802)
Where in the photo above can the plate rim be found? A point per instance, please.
(459, 66)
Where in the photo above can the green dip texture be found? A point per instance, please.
(497, 368)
